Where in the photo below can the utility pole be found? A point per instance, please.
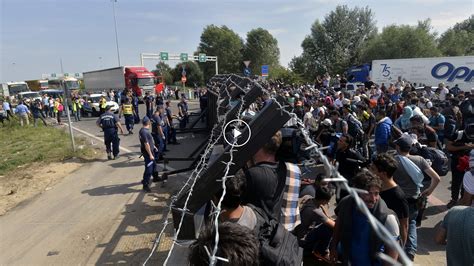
(61, 64)
(116, 36)
(66, 105)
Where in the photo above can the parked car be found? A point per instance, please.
(92, 104)
(28, 95)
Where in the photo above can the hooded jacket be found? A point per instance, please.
(383, 131)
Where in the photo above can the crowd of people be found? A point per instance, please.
(36, 109)
(393, 145)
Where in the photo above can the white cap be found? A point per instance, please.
(327, 122)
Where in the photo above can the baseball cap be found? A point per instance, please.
(145, 120)
(404, 142)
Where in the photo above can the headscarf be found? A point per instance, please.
(405, 118)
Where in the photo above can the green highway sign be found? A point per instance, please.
(164, 55)
(184, 57)
(66, 74)
(202, 58)
(77, 75)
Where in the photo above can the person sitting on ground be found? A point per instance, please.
(316, 228)
(237, 244)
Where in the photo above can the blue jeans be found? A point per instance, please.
(411, 245)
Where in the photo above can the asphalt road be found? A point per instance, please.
(99, 215)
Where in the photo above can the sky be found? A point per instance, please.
(37, 35)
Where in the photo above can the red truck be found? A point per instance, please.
(136, 78)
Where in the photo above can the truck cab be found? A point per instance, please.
(16, 87)
(70, 83)
(358, 74)
(140, 80)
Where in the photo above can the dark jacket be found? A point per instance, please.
(344, 219)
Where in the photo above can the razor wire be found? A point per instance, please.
(217, 211)
(195, 174)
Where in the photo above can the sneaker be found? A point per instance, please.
(164, 183)
(451, 204)
(146, 188)
(116, 156)
(411, 256)
(131, 132)
(109, 156)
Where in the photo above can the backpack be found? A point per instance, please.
(354, 127)
(439, 160)
(277, 245)
(60, 107)
(450, 126)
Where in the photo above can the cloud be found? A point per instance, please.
(278, 31)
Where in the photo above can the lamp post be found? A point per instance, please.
(116, 36)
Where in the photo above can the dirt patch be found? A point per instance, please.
(25, 183)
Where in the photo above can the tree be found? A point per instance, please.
(335, 43)
(402, 41)
(226, 45)
(458, 40)
(194, 74)
(285, 75)
(165, 71)
(261, 48)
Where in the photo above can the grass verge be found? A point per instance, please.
(23, 146)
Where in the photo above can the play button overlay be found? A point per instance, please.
(237, 133)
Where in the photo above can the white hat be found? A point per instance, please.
(327, 122)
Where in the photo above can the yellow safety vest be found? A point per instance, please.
(103, 103)
(127, 109)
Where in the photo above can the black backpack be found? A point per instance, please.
(450, 127)
(439, 160)
(354, 127)
(277, 246)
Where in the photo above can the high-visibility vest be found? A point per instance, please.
(127, 109)
(103, 103)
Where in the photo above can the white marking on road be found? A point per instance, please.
(95, 137)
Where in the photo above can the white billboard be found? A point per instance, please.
(426, 71)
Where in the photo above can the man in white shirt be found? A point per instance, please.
(443, 92)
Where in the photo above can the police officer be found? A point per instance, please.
(135, 102)
(157, 132)
(128, 112)
(148, 149)
(109, 124)
(148, 99)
